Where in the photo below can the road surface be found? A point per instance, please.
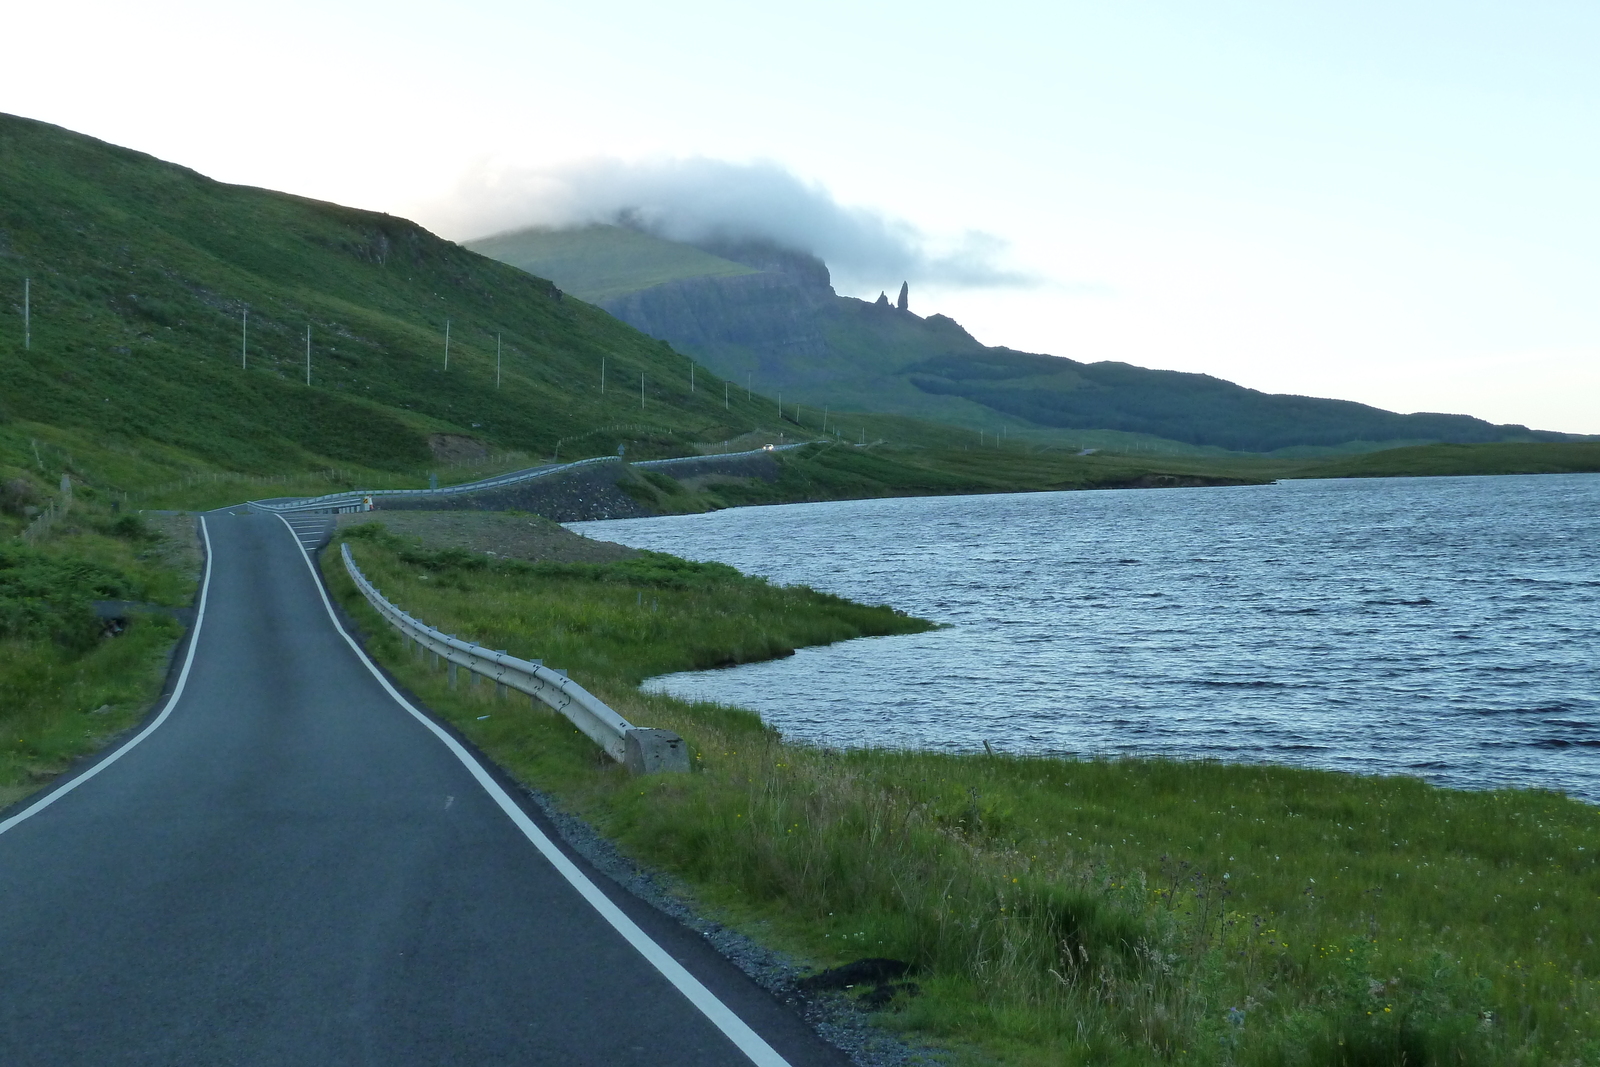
(290, 867)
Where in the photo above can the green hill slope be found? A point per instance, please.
(1555, 457)
(784, 329)
(139, 274)
(597, 263)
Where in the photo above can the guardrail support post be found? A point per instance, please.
(452, 673)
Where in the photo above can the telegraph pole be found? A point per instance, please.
(446, 344)
(724, 395)
(27, 317)
(602, 375)
(308, 353)
(497, 361)
(691, 378)
(244, 341)
(641, 390)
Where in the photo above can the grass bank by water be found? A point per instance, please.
(1055, 911)
(1550, 457)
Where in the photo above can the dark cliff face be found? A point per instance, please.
(777, 312)
(807, 270)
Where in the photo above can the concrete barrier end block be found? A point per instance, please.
(650, 751)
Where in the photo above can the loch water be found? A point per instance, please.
(1447, 628)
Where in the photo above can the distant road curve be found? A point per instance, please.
(293, 864)
(354, 499)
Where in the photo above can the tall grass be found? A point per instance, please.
(1057, 911)
(67, 684)
(61, 703)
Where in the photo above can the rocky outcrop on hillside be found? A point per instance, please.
(769, 312)
(777, 312)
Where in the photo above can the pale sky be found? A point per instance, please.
(1397, 202)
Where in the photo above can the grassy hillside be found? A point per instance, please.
(1561, 457)
(1193, 408)
(140, 273)
(600, 262)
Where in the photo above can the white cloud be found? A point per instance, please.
(699, 200)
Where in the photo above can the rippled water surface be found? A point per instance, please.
(1444, 627)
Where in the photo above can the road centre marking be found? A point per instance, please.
(177, 691)
(720, 1015)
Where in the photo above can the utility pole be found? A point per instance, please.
(497, 361)
(308, 353)
(641, 390)
(446, 344)
(748, 375)
(244, 341)
(602, 375)
(691, 378)
(27, 316)
(724, 395)
(824, 418)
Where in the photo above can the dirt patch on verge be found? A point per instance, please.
(456, 447)
(502, 534)
(179, 547)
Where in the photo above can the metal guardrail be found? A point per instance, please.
(641, 749)
(356, 499)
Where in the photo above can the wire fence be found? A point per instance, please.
(42, 523)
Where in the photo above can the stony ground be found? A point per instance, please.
(179, 546)
(507, 535)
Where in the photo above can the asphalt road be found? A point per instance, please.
(292, 868)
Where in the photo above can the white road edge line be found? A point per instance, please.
(721, 1016)
(177, 691)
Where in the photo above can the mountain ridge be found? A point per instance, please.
(786, 330)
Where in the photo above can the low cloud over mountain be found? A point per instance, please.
(699, 200)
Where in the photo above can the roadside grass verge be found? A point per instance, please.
(61, 704)
(67, 685)
(625, 620)
(1057, 911)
